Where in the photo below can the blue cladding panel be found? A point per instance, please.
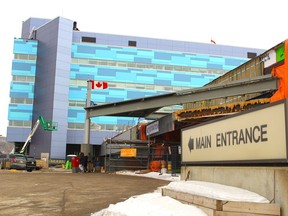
(182, 77)
(165, 56)
(234, 62)
(152, 56)
(215, 66)
(159, 44)
(87, 49)
(106, 72)
(129, 75)
(77, 115)
(163, 82)
(138, 75)
(22, 87)
(23, 112)
(119, 74)
(25, 46)
(77, 93)
(110, 95)
(142, 60)
(21, 66)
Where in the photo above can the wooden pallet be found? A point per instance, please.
(213, 207)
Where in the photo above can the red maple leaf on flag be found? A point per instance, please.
(99, 85)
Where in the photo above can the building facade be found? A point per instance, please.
(53, 60)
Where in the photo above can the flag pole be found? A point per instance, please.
(86, 147)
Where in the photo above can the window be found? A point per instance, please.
(19, 123)
(89, 39)
(21, 100)
(25, 57)
(23, 78)
(251, 55)
(132, 43)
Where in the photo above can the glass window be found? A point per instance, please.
(89, 39)
(251, 55)
(27, 123)
(132, 43)
(21, 100)
(111, 63)
(27, 57)
(18, 123)
(109, 127)
(17, 78)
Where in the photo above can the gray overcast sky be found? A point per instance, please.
(245, 23)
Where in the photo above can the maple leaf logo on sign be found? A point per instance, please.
(99, 85)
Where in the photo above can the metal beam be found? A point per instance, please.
(144, 106)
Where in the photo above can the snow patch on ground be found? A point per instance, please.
(152, 204)
(216, 191)
(157, 175)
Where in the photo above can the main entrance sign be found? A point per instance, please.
(258, 135)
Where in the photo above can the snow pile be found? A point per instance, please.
(152, 204)
(216, 191)
(156, 175)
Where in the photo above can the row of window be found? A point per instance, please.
(14, 100)
(80, 126)
(138, 65)
(23, 78)
(146, 66)
(129, 64)
(77, 82)
(25, 57)
(86, 39)
(19, 123)
(94, 126)
(74, 103)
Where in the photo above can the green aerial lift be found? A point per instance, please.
(46, 125)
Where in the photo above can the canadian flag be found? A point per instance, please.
(99, 85)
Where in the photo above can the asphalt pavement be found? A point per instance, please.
(57, 192)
